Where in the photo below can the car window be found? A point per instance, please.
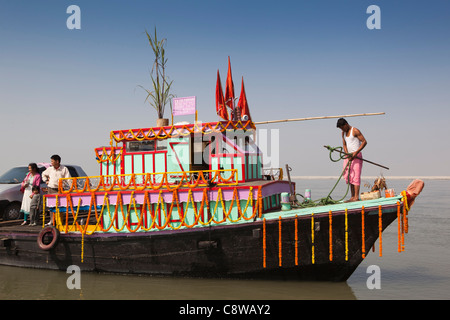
(14, 175)
(73, 172)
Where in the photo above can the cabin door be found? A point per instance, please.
(177, 158)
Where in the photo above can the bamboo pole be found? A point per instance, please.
(324, 117)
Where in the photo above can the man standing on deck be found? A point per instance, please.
(353, 142)
(52, 175)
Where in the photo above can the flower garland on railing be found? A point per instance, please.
(174, 131)
(118, 183)
(111, 157)
(166, 214)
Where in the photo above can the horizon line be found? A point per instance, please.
(374, 177)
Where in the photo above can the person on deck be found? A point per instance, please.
(353, 142)
(35, 204)
(32, 179)
(52, 175)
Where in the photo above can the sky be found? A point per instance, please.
(63, 90)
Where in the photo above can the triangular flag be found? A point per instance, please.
(220, 101)
(242, 104)
(229, 89)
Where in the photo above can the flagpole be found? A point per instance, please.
(324, 117)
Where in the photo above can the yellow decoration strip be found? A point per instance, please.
(43, 211)
(346, 235)
(330, 220)
(406, 209)
(399, 227)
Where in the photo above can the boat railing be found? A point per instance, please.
(149, 181)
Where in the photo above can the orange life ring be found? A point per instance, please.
(48, 231)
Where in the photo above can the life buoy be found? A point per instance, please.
(48, 231)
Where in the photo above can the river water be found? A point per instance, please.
(420, 272)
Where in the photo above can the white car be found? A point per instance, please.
(10, 195)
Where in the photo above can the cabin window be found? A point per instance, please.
(146, 146)
(161, 145)
(213, 145)
(137, 146)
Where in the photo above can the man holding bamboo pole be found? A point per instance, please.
(353, 143)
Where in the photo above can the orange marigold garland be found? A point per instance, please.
(280, 248)
(346, 235)
(312, 239)
(399, 228)
(264, 242)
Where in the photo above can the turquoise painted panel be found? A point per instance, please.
(132, 217)
(160, 162)
(178, 157)
(259, 168)
(104, 170)
(138, 163)
(214, 163)
(128, 164)
(148, 163)
(226, 164)
(238, 166)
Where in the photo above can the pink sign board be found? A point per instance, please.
(183, 106)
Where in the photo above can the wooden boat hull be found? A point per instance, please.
(300, 248)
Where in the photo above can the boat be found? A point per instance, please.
(154, 210)
(194, 200)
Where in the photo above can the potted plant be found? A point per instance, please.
(159, 95)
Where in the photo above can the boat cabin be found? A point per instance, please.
(184, 148)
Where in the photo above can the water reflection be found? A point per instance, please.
(22, 283)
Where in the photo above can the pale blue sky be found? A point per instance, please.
(62, 91)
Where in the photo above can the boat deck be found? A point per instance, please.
(339, 208)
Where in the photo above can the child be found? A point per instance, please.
(34, 205)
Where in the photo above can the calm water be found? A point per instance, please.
(421, 272)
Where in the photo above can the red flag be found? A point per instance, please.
(220, 102)
(242, 104)
(229, 89)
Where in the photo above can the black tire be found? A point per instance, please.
(12, 212)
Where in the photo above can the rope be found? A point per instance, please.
(328, 200)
